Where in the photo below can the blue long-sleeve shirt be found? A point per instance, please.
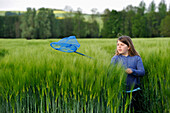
(135, 64)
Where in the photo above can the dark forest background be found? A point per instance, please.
(140, 21)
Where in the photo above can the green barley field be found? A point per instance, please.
(34, 78)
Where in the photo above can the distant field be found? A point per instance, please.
(2, 13)
(36, 78)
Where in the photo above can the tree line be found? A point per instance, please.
(133, 21)
(138, 21)
(42, 24)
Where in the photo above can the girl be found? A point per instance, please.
(132, 62)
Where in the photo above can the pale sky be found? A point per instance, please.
(85, 5)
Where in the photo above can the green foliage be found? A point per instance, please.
(28, 24)
(162, 9)
(3, 52)
(107, 27)
(79, 25)
(165, 23)
(152, 7)
(38, 24)
(43, 24)
(53, 27)
(92, 29)
(8, 26)
(115, 20)
(67, 26)
(139, 26)
(134, 21)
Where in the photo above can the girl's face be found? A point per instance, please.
(122, 48)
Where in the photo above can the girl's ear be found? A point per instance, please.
(128, 48)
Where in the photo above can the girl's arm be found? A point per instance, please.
(114, 60)
(140, 71)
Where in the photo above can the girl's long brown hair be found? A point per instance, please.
(127, 40)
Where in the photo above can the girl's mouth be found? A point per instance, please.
(119, 49)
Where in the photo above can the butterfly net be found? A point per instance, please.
(68, 44)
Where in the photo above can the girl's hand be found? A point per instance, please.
(129, 71)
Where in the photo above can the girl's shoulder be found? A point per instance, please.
(137, 57)
(115, 56)
(114, 59)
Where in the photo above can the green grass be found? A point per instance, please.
(36, 78)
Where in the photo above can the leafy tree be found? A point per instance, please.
(28, 24)
(68, 24)
(152, 21)
(92, 27)
(165, 29)
(17, 29)
(9, 26)
(79, 24)
(139, 28)
(130, 14)
(123, 22)
(94, 13)
(106, 30)
(53, 24)
(142, 8)
(1, 26)
(152, 7)
(9, 29)
(162, 9)
(116, 22)
(43, 24)
(59, 30)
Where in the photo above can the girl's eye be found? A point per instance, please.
(120, 44)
